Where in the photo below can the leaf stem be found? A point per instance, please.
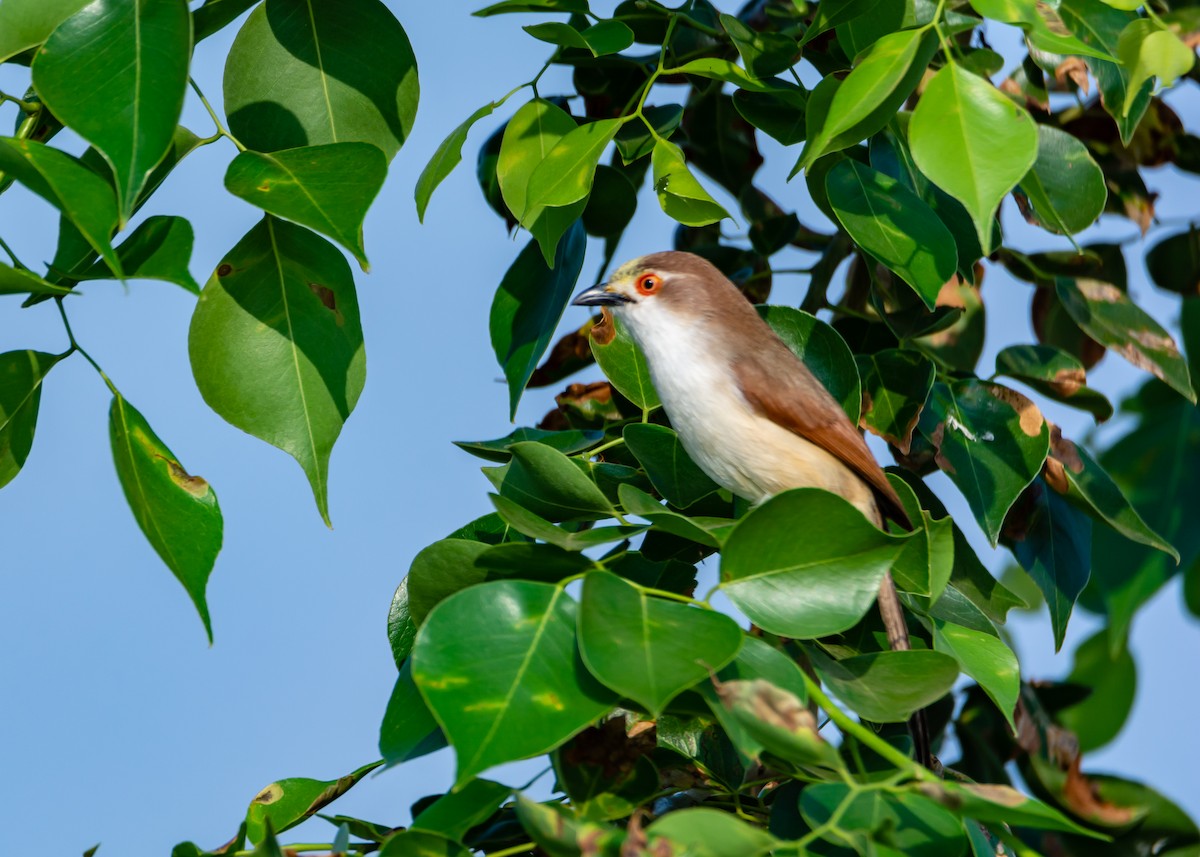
(514, 849)
(75, 346)
(16, 262)
(221, 132)
(604, 447)
(25, 106)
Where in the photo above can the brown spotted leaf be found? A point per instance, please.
(286, 803)
(895, 385)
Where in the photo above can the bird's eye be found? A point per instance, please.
(648, 284)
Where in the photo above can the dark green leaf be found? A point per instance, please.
(823, 351)
(276, 344)
(446, 158)
(1000, 804)
(549, 484)
(528, 304)
(896, 384)
(806, 564)
(422, 843)
(21, 376)
(1053, 373)
(25, 24)
(972, 142)
(649, 649)
(991, 442)
(764, 53)
(887, 687)
(680, 195)
(985, 658)
(1107, 315)
(1113, 82)
(537, 527)
(285, 803)
(724, 70)
(531, 693)
(705, 531)
(605, 37)
(18, 281)
(408, 730)
(82, 196)
(779, 113)
(611, 204)
(214, 15)
(926, 563)
(705, 832)
(674, 475)
(894, 225)
(453, 814)
(128, 101)
(327, 188)
(567, 442)
(508, 6)
(915, 825)
(177, 512)
(1112, 679)
(1065, 185)
(634, 140)
(439, 571)
(1174, 262)
(623, 363)
(831, 13)
(402, 630)
(304, 74)
(159, 249)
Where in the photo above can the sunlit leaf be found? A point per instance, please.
(887, 687)
(285, 803)
(680, 195)
(25, 24)
(985, 658)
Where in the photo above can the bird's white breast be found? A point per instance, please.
(741, 450)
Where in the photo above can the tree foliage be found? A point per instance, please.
(568, 622)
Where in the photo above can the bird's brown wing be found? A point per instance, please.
(791, 396)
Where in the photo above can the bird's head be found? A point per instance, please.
(668, 288)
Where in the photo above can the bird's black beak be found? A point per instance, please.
(599, 295)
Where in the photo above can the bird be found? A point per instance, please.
(747, 410)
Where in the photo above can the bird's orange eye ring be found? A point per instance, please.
(648, 284)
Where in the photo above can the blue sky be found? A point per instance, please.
(121, 725)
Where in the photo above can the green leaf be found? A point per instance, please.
(1048, 38)
(1065, 186)
(911, 824)
(528, 695)
(611, 204)
(1174, 262)
(896, 383)
(177, 512)
(159, 249)
(214, 15)
(705, 531)
(1108, 316)
(565, 175)
(1148, 50)
(866, 100)
(926, 563)
(1000, 804)
(649, 649)
(705, 832)
(806, 564)
(303, 74)
(779, 113)
(285, 803)
(422, 843)
(605, 37)
(83, 197)
(622, 362)
(327, 188)
(1111, 678)
(680, 195)
(724, 70)
(1052, 540)
(1113, 81)
(509, 6)
(674, 475)
(18, 281)
(276, 344)
(408, 730)
(1055, 374)
(25, 24)
(985, 658)
(972, 142)
(831, 13)
(21, 376)
(549, 484)
(1090, 486)
(822, 350)
(567, 442)
(128, 100)
(537, 527)
(439, 571)
(402, 630)
(764, 53)
(446, 157)
(453, 814)
(529, 136)
(991, 442)
(887, 687)
(635, 141)
(894, 225)
(528, 305)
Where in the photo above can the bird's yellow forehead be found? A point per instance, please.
(628, 270)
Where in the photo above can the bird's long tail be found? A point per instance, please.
(897, 633)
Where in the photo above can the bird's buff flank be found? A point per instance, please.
(747, 410)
